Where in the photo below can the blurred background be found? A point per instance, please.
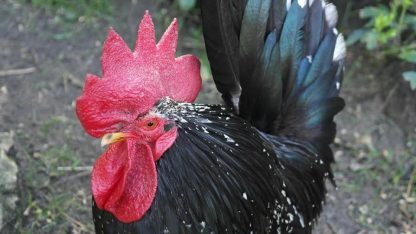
(47, 47)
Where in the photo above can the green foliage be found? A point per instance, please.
(391, 30)
(186, 5)
(69, 10)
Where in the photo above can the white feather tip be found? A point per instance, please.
(331, 15)
(302, 3)
(288, 4)
(340, 49)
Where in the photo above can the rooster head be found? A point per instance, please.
(118, 109)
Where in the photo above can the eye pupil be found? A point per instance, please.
(150, 124)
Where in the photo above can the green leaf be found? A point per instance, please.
(187, 5)
(407, 3)
(410, 22)
(411, 77)
(383, 21)
(372, 12)
(408, 56)
(355, 36)
(368, 12)
(371, 40)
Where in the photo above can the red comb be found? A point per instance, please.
(134, 81)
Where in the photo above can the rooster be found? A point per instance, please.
(257, 164)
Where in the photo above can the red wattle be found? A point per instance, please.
(124, 180)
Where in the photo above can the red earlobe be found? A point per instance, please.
(164, 143)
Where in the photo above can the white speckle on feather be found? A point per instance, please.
(311, 2)
(335, 31)
(321, 162)
(288, 3)
(290, 217)
(302, 3)
(235, 99)
(340, 49)
(309, 57)
(204, 120)
(331, 15)
(166, 230)
(229, 139)
(245, 196)
(338, 85)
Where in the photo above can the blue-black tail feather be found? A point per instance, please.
(287, 60)
(284, 64)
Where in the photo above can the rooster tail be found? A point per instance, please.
(313, 61)
(279, 64)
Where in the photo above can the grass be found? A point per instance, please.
(54, 214)
(71, 11)
(69, 17)
(50, 123)
(393, 189)
(47, 206)
(43, 167)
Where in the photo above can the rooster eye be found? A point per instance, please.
(151, 124)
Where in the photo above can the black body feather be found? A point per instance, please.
(224, 176)
(260, 164)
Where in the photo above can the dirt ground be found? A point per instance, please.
(40, 134)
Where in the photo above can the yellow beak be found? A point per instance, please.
(110, 138)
